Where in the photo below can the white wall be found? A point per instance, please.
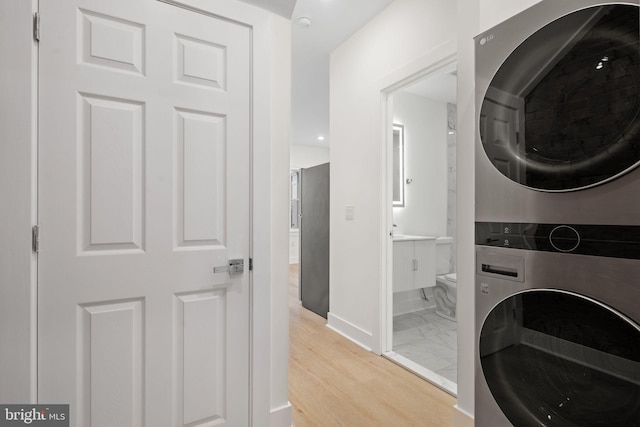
(278, 47)
(407, 31)
(306, 156)
(281, 117)
(404, 31)
(425, 160)
(467, 29)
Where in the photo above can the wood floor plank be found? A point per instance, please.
(334, 382)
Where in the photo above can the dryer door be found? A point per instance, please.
(562, 111)
(568, 361)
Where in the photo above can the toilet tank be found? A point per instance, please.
(444, 255)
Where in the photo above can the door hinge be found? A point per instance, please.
(250, 264)
(35, 238)
(36, 26)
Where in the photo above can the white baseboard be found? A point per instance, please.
(281, 417)
(350, 331)
(462, 418)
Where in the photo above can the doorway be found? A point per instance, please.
(421, 288)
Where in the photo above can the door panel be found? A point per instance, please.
(201, 145)
(111, 173)
(110, 363)
(144, 188)
(200, 361)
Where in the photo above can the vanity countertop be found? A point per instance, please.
(405, 237)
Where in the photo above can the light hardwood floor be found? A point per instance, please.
(334, 382)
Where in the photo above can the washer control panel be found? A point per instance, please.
(615, 241)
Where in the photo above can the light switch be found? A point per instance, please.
(349, 212)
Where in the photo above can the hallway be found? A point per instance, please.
(334, 382)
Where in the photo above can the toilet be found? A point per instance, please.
(444, 292)
(445, 295)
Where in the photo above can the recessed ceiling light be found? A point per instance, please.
(321, 138)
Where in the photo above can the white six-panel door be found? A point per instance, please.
(144, 141)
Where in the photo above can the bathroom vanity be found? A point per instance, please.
(414, 265)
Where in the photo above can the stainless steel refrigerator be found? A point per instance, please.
(314, 239)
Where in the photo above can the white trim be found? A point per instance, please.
(230, 10)
(462, 418)
(18, 192)
(386, 220)
(34, 212)
(261, 182)
(424, 373)
(281, 417)
(438, 59)
(350, 331)
(431, 61)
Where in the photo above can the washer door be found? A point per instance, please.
(562, 112)
(555, 358)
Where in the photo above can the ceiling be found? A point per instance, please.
(325, 24)
(280, 7)
(332, 22)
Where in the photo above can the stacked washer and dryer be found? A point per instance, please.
(558, 217)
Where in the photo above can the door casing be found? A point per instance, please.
(424, 66)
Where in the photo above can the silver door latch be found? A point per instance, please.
(235, 266)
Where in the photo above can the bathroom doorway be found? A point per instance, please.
(421, 316)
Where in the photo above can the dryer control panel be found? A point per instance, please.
(615, 241)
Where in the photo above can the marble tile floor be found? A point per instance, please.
(428, 340)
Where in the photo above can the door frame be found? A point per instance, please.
(18, 192)
(18, 159)
(430, 63)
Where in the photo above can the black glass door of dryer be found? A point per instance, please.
(558, 359)
(562, 111)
